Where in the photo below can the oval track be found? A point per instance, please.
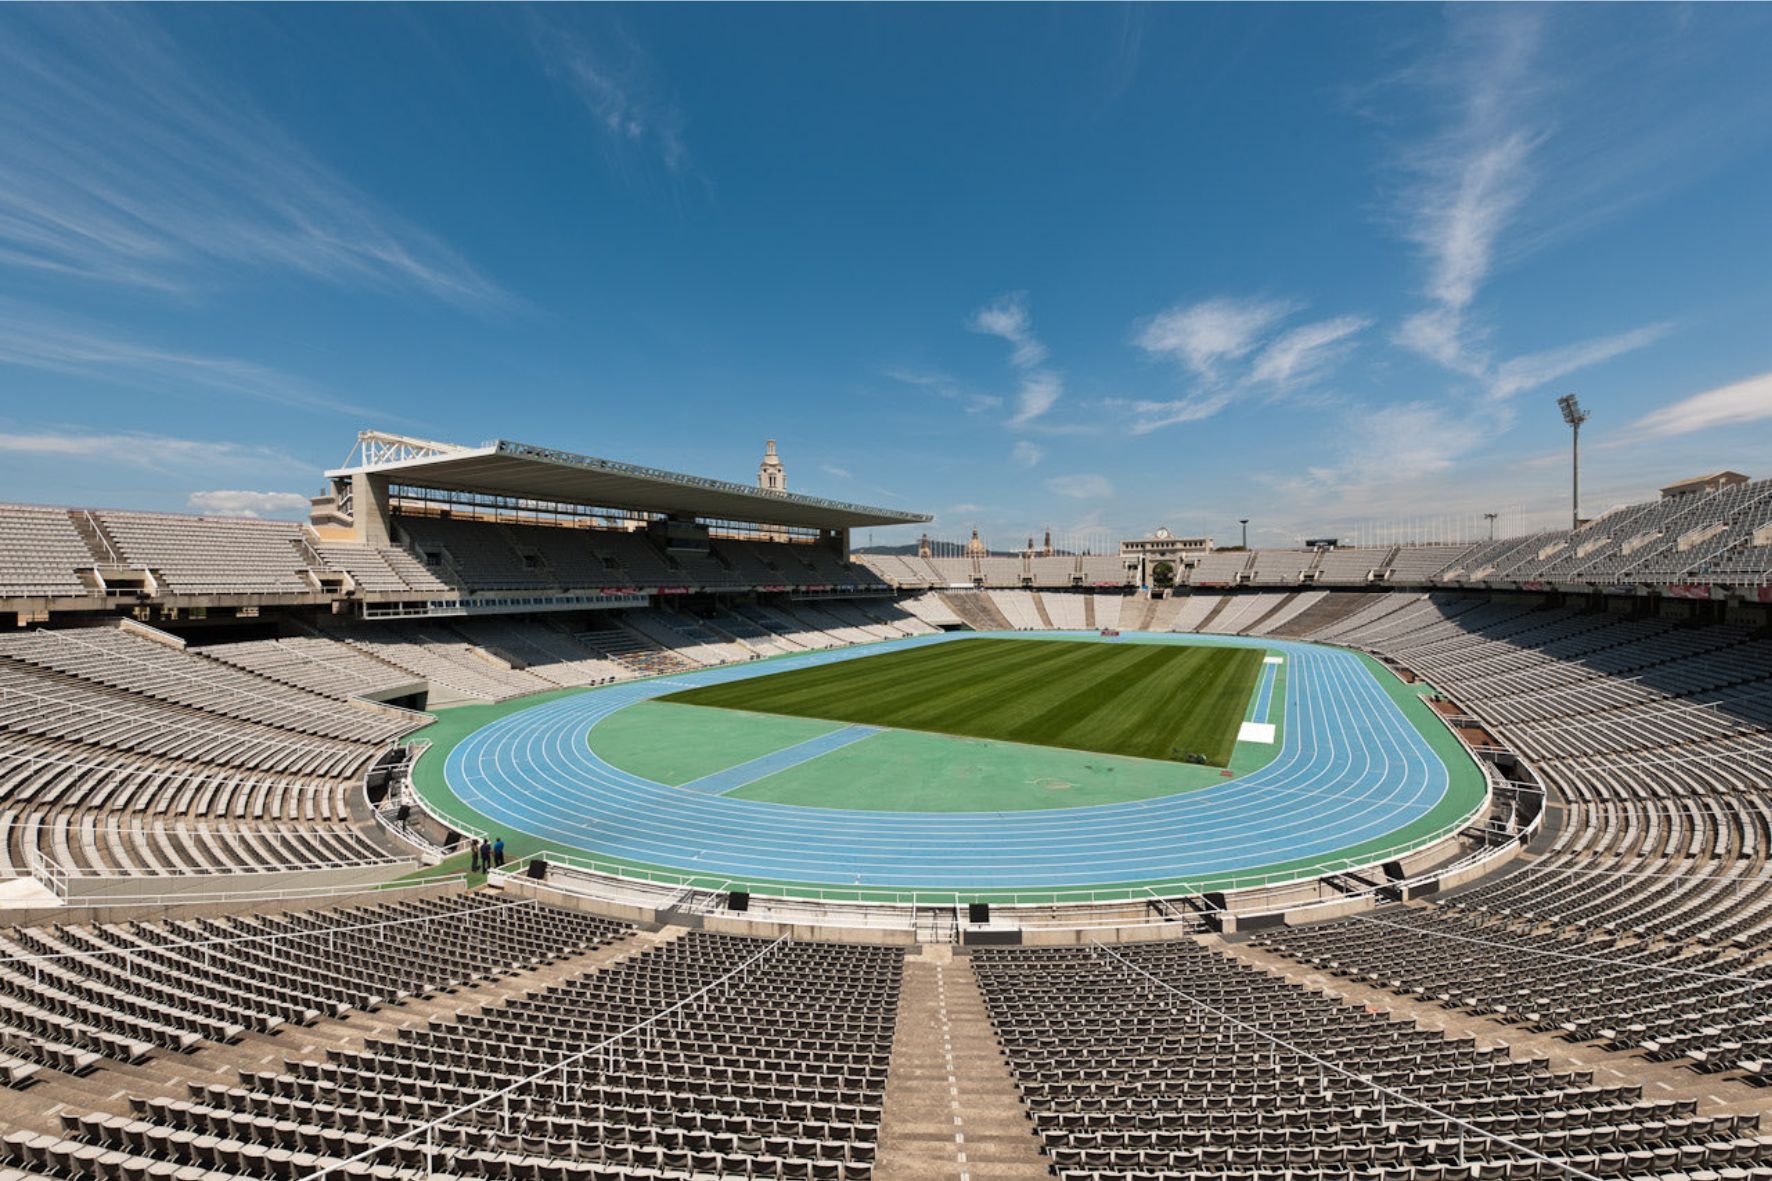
(1351, 769)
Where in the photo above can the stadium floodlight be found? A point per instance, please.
(1574, 415)
(1490, 517)
(1244, 522)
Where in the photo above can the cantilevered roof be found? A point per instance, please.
(504, 468)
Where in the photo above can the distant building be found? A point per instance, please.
(1714, 482)
(1163, 546)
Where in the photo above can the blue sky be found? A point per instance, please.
(1088, 268)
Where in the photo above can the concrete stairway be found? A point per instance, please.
(951, 1111)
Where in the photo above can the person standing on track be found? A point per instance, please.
(498, 852)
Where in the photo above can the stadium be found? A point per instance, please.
(885, 592)
(1396, 861)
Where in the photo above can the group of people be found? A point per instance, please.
(486, 855)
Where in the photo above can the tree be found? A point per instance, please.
(1163, 574)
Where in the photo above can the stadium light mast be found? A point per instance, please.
(1574, 415)
(1244, 522)
(1490, 517)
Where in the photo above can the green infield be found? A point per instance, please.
(1151, 701)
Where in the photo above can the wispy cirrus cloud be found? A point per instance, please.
(126, 164)
(33, 341)
(1007, 317)
(1472, 174)
(951, 388)
(1039, 389)
(1227, 347)
(1304, 353)
(1735, 404)
(1500, 119)
(618, 83)
(236, 503)
(1532, 370)
(160, 453)
(1026, 453)
(1204, 335)
(1081, 487)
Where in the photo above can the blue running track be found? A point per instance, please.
(1351, 769)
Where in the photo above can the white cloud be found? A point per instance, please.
(615, 79)
(1007, 317)
(1203, 335)
(1152, 416)
(249, 504)
(950, 388)
(831, 469)
(126, 164)
(1302, 353)
(1472, 176)
(1532, 370)
(1039, 393)
(152, 452)
(1442, 335)
(1729, 405)
(1027, 454)
(1081, 487)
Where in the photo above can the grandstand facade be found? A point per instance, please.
(238, 945)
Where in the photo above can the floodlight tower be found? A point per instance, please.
(1244, 522)
(1490, 517)
(1574, 415)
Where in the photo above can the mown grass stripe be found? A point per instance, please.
(1144, 700)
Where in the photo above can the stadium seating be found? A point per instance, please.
(1169, 1060)
(212, 555)
(777, 1073)
(124, 991)
(40, 552)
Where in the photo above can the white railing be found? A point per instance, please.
(400, 791)
(280, 894)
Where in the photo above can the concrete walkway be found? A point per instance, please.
(952, 1110)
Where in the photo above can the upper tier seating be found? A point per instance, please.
(1350, 567)
(382, 568)
(1413, 565)
(1219, 568)
(1281, 567)
(212, 555)
(40, 550)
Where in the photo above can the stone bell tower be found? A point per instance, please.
(771, 476)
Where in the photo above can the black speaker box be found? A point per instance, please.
(738, 900)
(978, 912)
(538, 869)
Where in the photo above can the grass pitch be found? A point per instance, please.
(1151, 701)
